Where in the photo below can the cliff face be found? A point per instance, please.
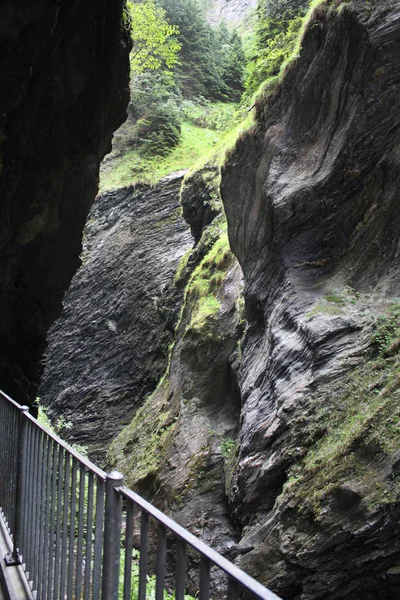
(109, 348)
(281, 449)
(177, 450)
(311, 196)
(64, 71)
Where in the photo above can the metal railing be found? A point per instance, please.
(79, 533)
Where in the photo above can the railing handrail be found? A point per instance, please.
(196, 543)
(79, 457)
(52, 461)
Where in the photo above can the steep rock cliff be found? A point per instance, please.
(64, 71)
(311, 196)
(177, 450)
(109, 347)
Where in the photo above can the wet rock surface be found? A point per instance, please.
(64, 91)
(311, 196)
(110, 345)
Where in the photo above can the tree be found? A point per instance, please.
(234, 66)
(275, 39)
(155, 44)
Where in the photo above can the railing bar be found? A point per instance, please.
(27, 556)
(42, 504)
(26, 497)
(233, 589)
(7, 466)
(204, 579)
(3, 440)
(9, 504)
(62, 443)
(37, 538)
(57, 546)
(161, 560)
(98, 542)
(79, 547)
(88, 553)
(65, 523)
(229, 568)
(35, 507)
(112, 537)
(72, 521)
(128, 550)
(52, 528)
(46, 528)
(144, 539)
(7, 472)
(180, 569)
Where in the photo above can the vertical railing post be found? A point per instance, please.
(13, 558)
(112, 536)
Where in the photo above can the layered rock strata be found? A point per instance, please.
(109, 348)
(311, 195)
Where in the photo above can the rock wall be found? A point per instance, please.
(64, 70)
(311, 197)
(109, 348)
(177, 451)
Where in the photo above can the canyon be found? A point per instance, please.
(230, 341)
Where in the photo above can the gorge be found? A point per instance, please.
(243, 374)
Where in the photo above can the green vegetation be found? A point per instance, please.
(228, 447)
(359, 432)
(196, 145)
(275, 41)
(140, 448)
(59, 427)
(133, 166)
(333, 303)
(204, 283)
(324, 308)
(150, 584)
(154, 42)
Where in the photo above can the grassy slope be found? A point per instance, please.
(131, 167)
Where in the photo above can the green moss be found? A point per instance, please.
(334, 298)
(182, 267)
(197, 473)
(206, 280)
(334, 302)
(140, 448)
(358, 430)
(173, 217)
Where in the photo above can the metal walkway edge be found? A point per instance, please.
(73, 531)
(13, 583)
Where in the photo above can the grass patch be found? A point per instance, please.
(134, 167)
(334, 302)
(206, 131)
(324, 308)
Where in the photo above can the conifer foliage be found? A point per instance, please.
(211, 60)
